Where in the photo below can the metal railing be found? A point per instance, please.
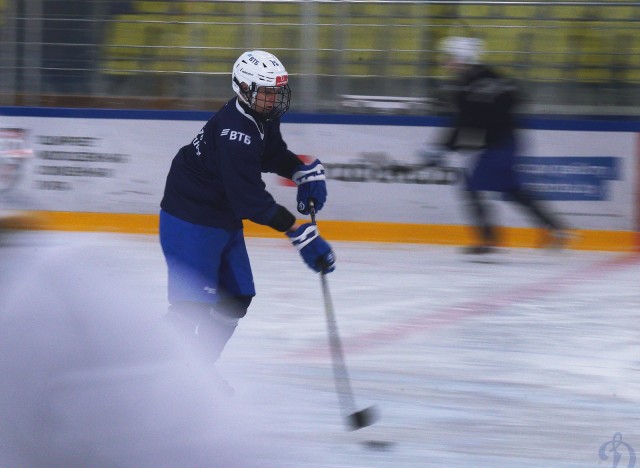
(577, 57)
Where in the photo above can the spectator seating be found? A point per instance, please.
(546, 43)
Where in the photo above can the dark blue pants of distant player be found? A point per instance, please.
(495, 171)
(210, 283)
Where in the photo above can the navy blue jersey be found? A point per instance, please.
(216, 180)
(485, 119)
(485, 102)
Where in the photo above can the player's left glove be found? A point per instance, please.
(315, 251)
(310, 180)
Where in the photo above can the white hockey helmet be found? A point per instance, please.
(259, 69)
(464, 50)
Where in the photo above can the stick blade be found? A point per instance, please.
(362, 418)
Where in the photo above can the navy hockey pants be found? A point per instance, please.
(204, 263)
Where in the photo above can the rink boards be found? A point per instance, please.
(104, 170)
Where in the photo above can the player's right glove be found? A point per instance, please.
(433, 156)
(315, 251)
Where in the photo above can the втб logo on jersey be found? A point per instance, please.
(236, 136)
(197, 140)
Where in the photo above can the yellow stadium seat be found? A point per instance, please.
(407, 40)
(216, 47)
(620, 24)
(158, 6)
(329, 32)
(172, 44)
(626, 62)
(142, 43)
(282, 40)
(278, 29)
(365, 39)
(503, 30)
(548, 55)
(121, 49)
(384, 40)
(230, 10)
(281, 12)
(220, 41)
(440, 21)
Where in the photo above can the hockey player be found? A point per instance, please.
(214, 183)
(484, 118)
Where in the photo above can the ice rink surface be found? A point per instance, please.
(527, 358)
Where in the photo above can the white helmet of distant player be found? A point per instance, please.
(462, 50)
(262, 83)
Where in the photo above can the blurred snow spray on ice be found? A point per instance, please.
(92, 377)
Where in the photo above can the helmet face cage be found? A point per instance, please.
(261, 81)
(271, 101)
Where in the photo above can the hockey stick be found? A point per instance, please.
(355, 419)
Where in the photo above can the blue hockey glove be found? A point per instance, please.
(315, 251)
(311, 184)
(433, 156)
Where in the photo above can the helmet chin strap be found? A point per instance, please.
(245, 94)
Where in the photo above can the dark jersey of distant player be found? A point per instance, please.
(485, 103)
(485, 119)
(216, 180)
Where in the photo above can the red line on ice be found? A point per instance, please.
(456, 313)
